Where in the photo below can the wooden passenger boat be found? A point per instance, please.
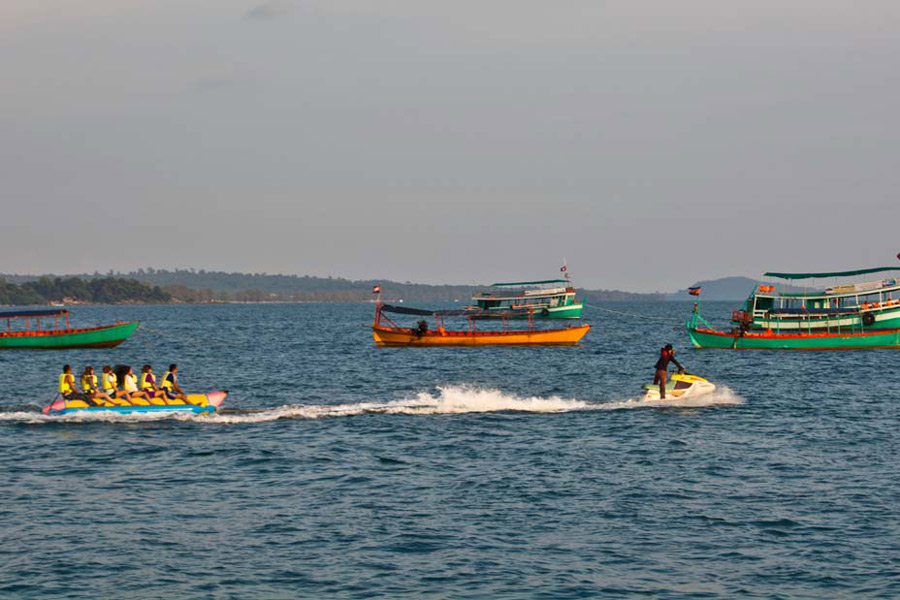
(32, 335)
(547, 299)
(387, 333)
(844, 316)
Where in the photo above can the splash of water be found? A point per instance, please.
(445, 400)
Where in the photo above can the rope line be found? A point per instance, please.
(631, 314)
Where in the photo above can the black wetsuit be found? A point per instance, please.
(663, 363)
(662, 371)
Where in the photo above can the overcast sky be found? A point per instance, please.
(652, 144)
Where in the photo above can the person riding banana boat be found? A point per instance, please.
(89, 386)
(129, 386)
(170, 384)
(111, 386)
(148, 384)
(67, 387)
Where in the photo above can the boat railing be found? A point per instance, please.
(439, 317)
(36, 317)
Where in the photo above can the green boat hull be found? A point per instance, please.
(848, 341)
(94, 337)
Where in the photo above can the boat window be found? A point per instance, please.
(764, 303)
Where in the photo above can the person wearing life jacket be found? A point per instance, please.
(148, 384)
(129, 386)
(89, 385)
(67, 387)
(666, 355)
(170, 384)
(111, 384)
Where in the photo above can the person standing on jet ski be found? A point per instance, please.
(666, 355)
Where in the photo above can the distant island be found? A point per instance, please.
(201, 286)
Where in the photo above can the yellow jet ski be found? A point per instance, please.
(679, 386)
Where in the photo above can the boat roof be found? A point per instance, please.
(22, 314)
(407, 310)
(833, 274)
(521, 283)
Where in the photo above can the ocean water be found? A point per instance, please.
(342, 470)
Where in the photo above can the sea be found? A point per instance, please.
(339, 469)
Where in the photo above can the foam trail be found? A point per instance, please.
(446, 400)
(722, 396)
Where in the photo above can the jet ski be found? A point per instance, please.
(199, 404)
(679, 386)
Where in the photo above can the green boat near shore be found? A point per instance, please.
(33, 335)
(839, 317)
(545, 299)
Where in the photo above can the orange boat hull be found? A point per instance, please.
(389, 336)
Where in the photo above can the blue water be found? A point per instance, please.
(342, 470)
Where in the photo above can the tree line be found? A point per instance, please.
(199, 286)
(107, 290)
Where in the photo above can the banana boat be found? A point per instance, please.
(200, 404)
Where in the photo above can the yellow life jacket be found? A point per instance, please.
(89, 383)
(109, 382)
(64, 386)
(166, 384)
(145, 381)
(129, 384)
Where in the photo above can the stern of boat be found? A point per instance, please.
(216, 399)
(54, 408)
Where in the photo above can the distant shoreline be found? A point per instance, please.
(153, 286)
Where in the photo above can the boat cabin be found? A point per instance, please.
(841, 305)
(33, 320)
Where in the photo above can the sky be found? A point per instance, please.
(649, 144)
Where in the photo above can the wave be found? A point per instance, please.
(444, 400)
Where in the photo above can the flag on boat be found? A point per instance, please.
(376, 289)
(694, 291)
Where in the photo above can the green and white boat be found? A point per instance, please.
(32, 335)
(840, 316)
(548, 299)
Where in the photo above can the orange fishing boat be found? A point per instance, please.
(388, 333)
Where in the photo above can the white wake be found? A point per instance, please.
(445, 400)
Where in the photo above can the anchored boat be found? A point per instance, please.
(841, 316)
(387, 333)
(201, 404)
(33, 336)
(547, 299)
